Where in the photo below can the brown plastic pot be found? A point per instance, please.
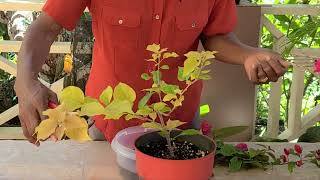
(152, 168)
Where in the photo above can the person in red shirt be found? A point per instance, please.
(122, 30)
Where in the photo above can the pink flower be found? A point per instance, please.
(317, 66)
(286, 151)
(242, 147)
(299, 163)
(298, 149)
(206, 127)
(284, 159)
(317, 154)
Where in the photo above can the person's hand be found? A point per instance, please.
(33, 99)
(263, 66)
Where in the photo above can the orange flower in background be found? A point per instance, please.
(68, 63)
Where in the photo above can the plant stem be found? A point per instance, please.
(167, 136)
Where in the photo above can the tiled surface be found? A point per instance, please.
(66, 160)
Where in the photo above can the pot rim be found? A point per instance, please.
(177, 160)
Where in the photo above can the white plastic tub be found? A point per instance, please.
(123, 145)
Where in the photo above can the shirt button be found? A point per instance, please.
(120, 21)
(157, 17)
(193, 25)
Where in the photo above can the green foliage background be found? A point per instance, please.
(303, 31)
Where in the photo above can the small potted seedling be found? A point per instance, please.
(166, 153)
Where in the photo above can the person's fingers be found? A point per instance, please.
(252, 73)
(284, 64)
(277, 67)
(262, 76)
(269, 71)
(26, 130)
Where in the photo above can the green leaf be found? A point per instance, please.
(193, 55)
(116, 109)
(169, 97)
(145, 100)
(145, 76)
(291, 166)
(168, 88)
(156, 75)
(123, 92)
(155, 48)
(72, 97)
(228, 131)
(235, 164)
(253, 153)
(189, 132)
(92, 109)
(228, 150)
(170, 55)
(189, 66)
(159, 106)
(106, 95)
(165, 67)
(312, 135)
(173, 124)
(180, 74)
(152, 125)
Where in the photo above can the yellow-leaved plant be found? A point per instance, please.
(118, 102)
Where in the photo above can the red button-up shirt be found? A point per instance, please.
(123, 29)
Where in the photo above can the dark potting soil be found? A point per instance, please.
(182, 150)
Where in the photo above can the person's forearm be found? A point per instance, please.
(35, 47)
(229, 48)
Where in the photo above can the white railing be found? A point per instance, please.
(11, 68)
(296, 123)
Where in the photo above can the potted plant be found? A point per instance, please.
(174, 153)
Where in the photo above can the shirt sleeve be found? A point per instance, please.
(223, 18)
(65, 12)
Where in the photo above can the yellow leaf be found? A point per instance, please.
(178, 102)
(173, 124)
(207, 55)
(74, 122)
(58, 114)
(144, 111)
(116, 109)
(169, 97)
(78, 134)
(123, 92)
(159, 106)
(190, 65)
(170, 55)
(72, 97)
(92, 109)
(46, 128)
(106, 95)
(59, 132)
(153, 116)
(152, 125)
(193, 55)
(155, 48)
(67, 64)
(89, 100)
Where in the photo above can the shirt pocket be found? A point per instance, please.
(188, 29)
(122, 27)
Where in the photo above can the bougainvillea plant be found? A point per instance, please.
(240, 156)
(118, 102)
